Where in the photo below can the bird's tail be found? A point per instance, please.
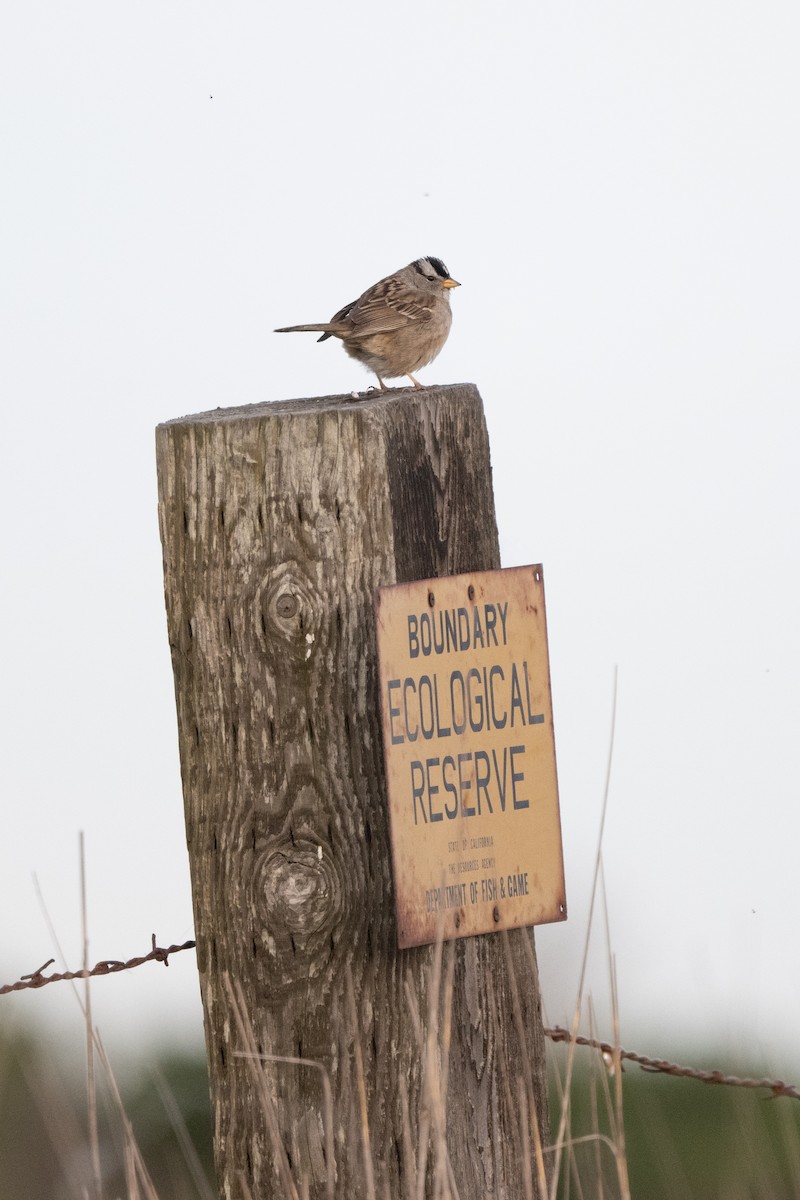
(325, 329)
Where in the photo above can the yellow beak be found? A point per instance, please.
(448, 283)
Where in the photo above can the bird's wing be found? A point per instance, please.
(384, 308)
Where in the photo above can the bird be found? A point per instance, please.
(396, 326)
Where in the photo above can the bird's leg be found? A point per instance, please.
(380, 381)
(415, 382)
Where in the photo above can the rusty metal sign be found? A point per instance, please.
(470, 754)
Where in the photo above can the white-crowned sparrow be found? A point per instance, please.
(399, 324)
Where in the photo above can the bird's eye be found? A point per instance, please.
(430, 278)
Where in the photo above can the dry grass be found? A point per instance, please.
(592, 1106)
(588, 1158)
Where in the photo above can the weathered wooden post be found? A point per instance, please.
(277, 523)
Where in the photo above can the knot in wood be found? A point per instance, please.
(287, 613)
(286, 605)
(297, 891)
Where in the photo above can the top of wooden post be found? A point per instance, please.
(369, 401)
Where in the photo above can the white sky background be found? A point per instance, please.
(617, 186)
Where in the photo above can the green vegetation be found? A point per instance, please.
(44, 1151)
(684, 1140)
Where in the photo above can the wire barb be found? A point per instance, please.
(35, 974)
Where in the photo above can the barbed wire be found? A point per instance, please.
(108, 966)
(660, 1065)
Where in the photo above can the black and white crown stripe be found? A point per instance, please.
(429, 266)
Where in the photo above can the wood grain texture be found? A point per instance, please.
(277, 524)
